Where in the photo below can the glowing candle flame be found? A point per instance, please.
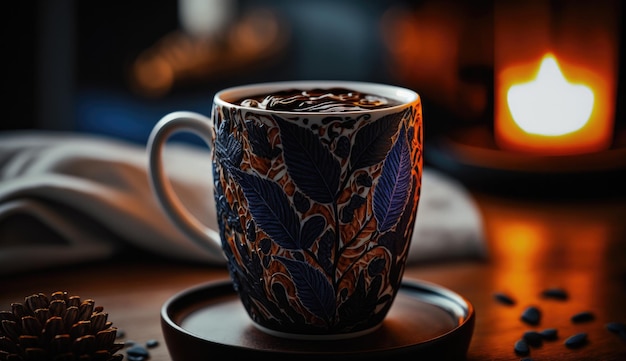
(550, 105)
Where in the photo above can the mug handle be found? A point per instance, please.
(171, 123)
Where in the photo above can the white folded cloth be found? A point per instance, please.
(69, 197)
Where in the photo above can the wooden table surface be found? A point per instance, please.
(577, 245)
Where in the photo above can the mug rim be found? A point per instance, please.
(404, 95)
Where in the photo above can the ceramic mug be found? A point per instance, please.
(315, 209)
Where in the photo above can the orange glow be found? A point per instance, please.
(552, 107)
(555, 77)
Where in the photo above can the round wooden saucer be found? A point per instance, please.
(426, 322)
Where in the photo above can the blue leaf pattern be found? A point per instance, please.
(324, 251)
(313, 289)
(312, 166)
(373, 141)
(311, 229)
(393, 187)
(228, 149)
(270, 208)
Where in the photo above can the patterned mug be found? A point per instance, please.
(316, 210)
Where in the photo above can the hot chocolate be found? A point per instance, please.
(317, 100)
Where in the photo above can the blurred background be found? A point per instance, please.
(114, 67)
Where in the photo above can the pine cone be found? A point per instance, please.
(59, 328)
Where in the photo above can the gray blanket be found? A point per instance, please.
(70, 197)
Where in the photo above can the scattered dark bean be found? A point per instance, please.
(136, 358)
(129, 343)
(152, 343)
(504, 298)
(555, 293)
(137, 352)
(120, 333)
(527, 359)
(533, 338)
(531, 315)
(584, 316)
(521, 347)
(549, 334)
(577, 340)
(616, 327)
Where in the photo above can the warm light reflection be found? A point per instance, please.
(538, 248)
(523, 240)
(521, 235)
(549, 104)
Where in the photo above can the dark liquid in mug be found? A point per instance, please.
(317, 100)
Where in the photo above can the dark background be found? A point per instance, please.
(67, 63)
